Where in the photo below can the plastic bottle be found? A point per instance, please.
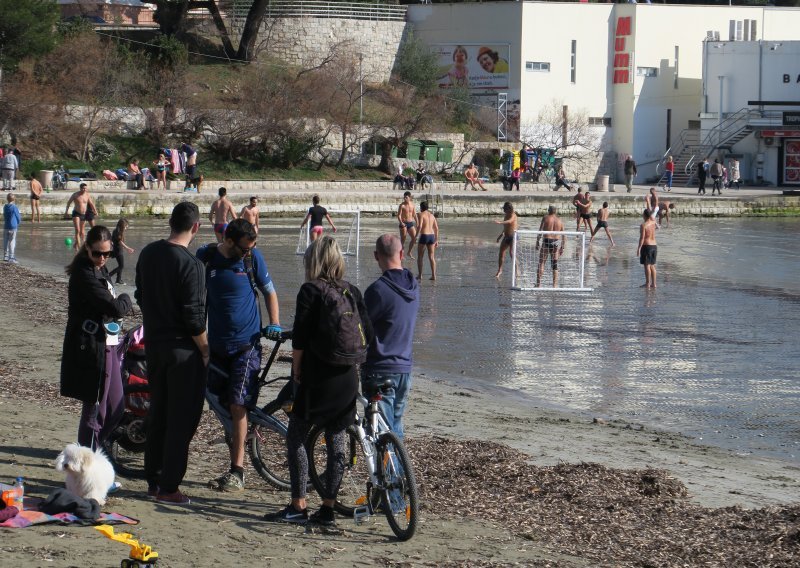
(18, 494)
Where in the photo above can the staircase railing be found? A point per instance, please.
(676, 148)
(727, 129)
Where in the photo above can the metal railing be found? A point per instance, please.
(684, 140)
(238, 10)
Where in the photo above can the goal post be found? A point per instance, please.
(348, 232)
(540, 263)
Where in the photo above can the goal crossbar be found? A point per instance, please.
(540, 265)
(348, 235)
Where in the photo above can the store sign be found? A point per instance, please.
(791, 118)
(780, 133)
(622, 55)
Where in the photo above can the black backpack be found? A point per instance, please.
(340, 337)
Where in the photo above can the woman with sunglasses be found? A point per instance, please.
(89, 368)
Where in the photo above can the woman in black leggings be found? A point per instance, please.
(325, 392)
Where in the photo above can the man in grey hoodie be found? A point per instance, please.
(392, 303)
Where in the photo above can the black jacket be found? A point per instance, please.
(83, 360)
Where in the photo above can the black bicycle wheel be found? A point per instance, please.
(353, 489)
(267, 445)
(125, 448)
(398, 486)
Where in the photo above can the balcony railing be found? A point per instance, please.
(238, 10)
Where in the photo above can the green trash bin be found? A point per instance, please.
(430, 151)
(414, 149)
(445, 151)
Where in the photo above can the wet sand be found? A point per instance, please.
(466, 520)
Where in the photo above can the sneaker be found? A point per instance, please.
(176, 498)
(324, 517)
(114, 487)
(13, 261)
(228, 483)
(120, 283)
(288, 515)
(152, 491)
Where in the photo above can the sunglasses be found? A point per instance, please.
(100, 253)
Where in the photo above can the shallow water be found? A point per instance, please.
(712, 353)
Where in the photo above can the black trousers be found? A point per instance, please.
(177, 379)
(120, 258)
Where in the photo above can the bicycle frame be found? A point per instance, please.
(368, 437)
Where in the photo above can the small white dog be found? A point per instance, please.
(89, 473)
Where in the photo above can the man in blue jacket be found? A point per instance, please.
(392, 302)
(11, 220)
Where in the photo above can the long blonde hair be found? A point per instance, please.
(323, 259)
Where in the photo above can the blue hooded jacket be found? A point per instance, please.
(392, 303)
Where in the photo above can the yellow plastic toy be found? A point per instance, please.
(141, 555)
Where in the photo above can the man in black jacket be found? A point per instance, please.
(171, 289)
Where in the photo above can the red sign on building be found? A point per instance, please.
(622, 57)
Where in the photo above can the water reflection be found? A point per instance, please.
(711, 352)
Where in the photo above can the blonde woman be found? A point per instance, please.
(326, 388)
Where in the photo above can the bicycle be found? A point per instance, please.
(391, 485)
(60, 178)
(266, 436)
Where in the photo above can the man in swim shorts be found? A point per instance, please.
(651, 200)
(36, 195)
(602, 222)
(510, 224)
(220, 210)
(665, 211)
(428, 239)
(250, 212)
(551, 245)
(576, 202)
(585, 212)
(315, 215)
(406, 214)
(648, 249)
(82, 204)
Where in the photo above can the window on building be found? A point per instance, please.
(573, 61)
(537, 66)
(675, 79)
(647, 71)
(599, 121)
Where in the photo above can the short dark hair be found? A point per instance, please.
(253, 197)
(222, 191)
(315, 200)
(551, 210)
(423, 206)
(605, 203)
(507, 205)
(646, 214)
(239, 229)
(407, 194)
(671, 206)
(81, 186)
(184, 215)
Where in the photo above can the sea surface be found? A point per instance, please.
(712, 353)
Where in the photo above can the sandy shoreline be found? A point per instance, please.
(32, 432)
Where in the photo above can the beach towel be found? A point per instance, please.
(175, 160)
(32, 516)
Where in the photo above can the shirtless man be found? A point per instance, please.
(315, 215)
(665, 208)
(510, 224)
(36, 195)
(406, 214)
(550, 245)
(472, 173)
(585, 212)
(651, 201)
(648, 250)
(576, 201)
(428, 238)
(220, 210)
(602, 222)
(250, 212)
(83, 205)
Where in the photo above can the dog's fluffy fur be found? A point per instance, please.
(89, 473)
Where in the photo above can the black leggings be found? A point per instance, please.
(298, 459)
(120, 258)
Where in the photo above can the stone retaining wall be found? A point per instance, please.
(373, 198)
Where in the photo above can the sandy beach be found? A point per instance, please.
(502, 482)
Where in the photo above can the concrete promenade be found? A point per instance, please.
(289, 198)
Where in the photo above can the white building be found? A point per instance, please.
(636, 69)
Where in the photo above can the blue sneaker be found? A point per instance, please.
(116, 486)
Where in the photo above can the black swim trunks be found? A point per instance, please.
(508, 240)
(648, 254)
(35, 197)
(586, 215)
(81, 216)
(89, 215)
(602, 224)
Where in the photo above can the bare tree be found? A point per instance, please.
(568, 132)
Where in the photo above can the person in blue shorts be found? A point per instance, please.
(235, 271)
(428, 238)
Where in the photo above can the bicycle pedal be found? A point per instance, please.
(361, 514)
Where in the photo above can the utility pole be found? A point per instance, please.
(361, 93)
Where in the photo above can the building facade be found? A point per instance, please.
(637, 70)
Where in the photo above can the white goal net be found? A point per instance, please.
(348, 232)
(542, 263)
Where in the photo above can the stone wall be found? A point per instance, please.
(302, 41)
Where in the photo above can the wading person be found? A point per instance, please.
(330, 337)
(250, 213)
(235, 270)
(392, 304)
(89, 369)
(552, 246)
(406, 216)
(221, 210)
(36, 196)
(171, 290)
(315, 215)
(428, 239)
(585, 213)
(648, 250)
(119, 249)
(83, 204)
(602, 222)
(665, 212)
(506, 236)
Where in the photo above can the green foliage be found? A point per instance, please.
(74, 28)
(26, 29)
(169, 53)
(459, 105)
(417, 65)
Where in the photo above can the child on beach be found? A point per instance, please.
(118, 249)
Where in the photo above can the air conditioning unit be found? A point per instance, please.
(769, 141)
(710, 35)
